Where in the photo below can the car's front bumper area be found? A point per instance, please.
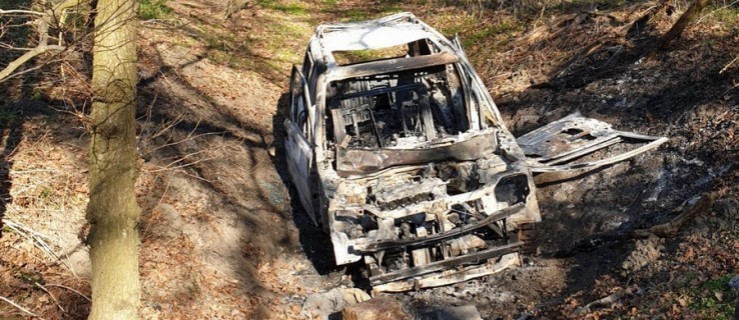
(458, 257)
(450, 271)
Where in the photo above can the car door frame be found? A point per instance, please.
(299, 148)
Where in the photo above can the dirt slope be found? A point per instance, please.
(221, 237)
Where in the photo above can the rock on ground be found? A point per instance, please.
(382, 308)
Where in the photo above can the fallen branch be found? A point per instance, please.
(33, 236)
(685, 19)
(51, 295)
(70, 289)
(644, 18)
(172, 165)
(25, 12)
(726, 67)
(20, 308)
(607, 301)
(690, 208)
(695, 206)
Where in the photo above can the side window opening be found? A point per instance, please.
(299, 105)
(307, 64)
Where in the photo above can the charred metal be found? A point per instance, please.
(404, 159)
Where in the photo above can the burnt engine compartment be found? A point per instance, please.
(405, 222)
(397, 110)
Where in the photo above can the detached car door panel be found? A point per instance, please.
(555, 146)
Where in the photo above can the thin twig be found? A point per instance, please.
(28, 12)
(170, 166)
(164, 194)
(174, 26)
(26, 230)
(168, 126)
(20, 308)
(42, 25)
(195, 176)
(169, 144)
(167, 168)
(36, 238)
(255, 166)
(728, 65)
(32, 171)
(52, 296)
(251, 170)
(70, 289)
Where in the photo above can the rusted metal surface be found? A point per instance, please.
(445, 264)
(361, 161)
(554, 145)
(527, 236)
(405, 161)
(451, 275)
(436, 238)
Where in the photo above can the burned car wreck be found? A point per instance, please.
(404, 160)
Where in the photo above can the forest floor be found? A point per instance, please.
(222, 239)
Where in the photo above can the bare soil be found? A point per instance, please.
(223, 238)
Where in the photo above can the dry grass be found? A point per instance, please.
(49, 187)
(42, 251)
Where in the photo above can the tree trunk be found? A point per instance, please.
(112, 210)
(677, 29)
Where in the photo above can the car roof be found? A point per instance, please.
(394, 30)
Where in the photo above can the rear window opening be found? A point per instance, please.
(416, 48)
(359, 56)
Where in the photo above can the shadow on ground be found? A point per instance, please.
(681, 94)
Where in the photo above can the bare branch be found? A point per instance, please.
(726, 67)
(24, 71)
(42, 47)
(42, 24)
(25, 12)
(693, 207)
(51, 295)
(171, 165)
(70, 289)
(17, 63)
(19, 307)
(66, 5)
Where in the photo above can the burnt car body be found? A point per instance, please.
(405, 162)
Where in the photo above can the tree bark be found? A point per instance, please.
(677, 29)
(112, 210)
